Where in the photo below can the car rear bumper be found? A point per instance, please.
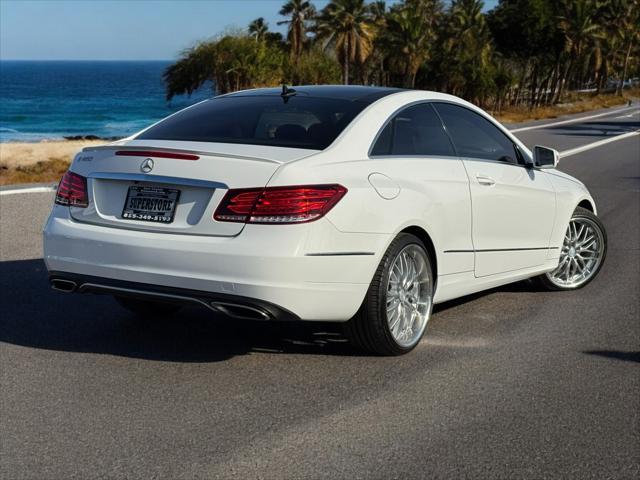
(310, 271)
(230, 305)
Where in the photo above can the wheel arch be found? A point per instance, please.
(422, 234)
(587, 205)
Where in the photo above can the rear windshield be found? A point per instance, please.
(298, 122)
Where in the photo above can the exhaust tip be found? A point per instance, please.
(240, 311)
(66, 286)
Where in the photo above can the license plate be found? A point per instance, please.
(150, 204)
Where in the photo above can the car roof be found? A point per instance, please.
(356, 93)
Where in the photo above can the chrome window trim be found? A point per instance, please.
(498, 162)
(382, 157)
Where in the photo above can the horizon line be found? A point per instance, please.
(87, 60)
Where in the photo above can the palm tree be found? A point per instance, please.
(469, 43)
(607, 47)
(521, 49)
(347, 25)
(467, 16)
(580, 28)
(630, 26)
(300, 12)
(229, 62)
(378, 11)
(410, 36)
(258, 29)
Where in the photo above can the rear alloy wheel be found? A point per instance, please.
(147, 309)
(398, 304)
(582, 254)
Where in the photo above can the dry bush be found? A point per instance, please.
(574, 104)
(40, 172)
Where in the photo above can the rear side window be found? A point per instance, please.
(474, 136)
(416, 130)
(298, 122)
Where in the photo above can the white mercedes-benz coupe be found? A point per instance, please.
(352, 204)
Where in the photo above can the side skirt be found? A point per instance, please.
(458, 285)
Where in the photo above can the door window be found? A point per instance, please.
(476, 137)
(416, 130)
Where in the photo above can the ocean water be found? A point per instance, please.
(53, 99)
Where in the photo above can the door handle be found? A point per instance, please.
(484, 180)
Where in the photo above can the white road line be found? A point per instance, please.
(571, 120)
(27, 190)
(589, 146)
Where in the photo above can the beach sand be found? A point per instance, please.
(20, 154)
(44, 161)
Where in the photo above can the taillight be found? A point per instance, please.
(72, 191)
(278, 204)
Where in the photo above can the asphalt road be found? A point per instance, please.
(511, 383)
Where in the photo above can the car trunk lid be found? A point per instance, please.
(129, 183)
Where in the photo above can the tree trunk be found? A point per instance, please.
(411, 78)
(563, 81)
(544, 87)
(516, 98)
(346, 63)
(296, 39)
(553, 85)
(624, 68)
(534, 86)
(604, 76)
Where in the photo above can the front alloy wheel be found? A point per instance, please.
(582, 254)
(394, 314)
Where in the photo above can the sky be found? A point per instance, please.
(124, 29)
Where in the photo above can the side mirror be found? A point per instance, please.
(544, 157)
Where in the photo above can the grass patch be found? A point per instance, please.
(40, 172)
(574, 104)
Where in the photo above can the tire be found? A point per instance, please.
(147, 309)
(571, 256)
(371, 328)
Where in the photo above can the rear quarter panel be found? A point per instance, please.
(433, 195)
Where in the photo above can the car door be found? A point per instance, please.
(414, 150)
(513, 206)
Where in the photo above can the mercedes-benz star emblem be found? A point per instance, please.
(147, 165)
